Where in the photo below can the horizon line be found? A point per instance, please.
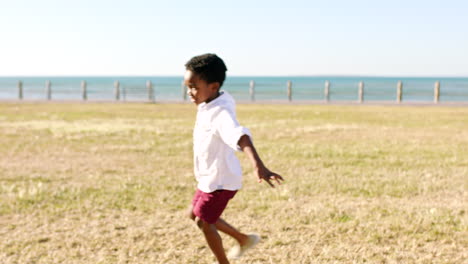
(236, 75)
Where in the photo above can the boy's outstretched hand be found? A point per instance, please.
(269, 176)
(263, 173)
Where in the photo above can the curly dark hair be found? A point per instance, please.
(209, 67)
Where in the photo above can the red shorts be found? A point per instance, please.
(209, 206)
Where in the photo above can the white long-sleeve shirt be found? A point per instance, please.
(215, 139)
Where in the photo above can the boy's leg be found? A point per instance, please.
(212, 237)
(209, 207)
(226, 228)
(245, 241)
(214, 241)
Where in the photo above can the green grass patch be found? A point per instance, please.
(109, 183)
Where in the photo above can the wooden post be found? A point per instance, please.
(252, 90)
(149, 87)
(327, 91)
(48, 90)
(289, 90)
(399, 91)
(184, 90)
(361, 92)
(436, 92)
(83, 90)
(117, 90)
(20, 90)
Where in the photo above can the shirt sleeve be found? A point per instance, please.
(229, 129)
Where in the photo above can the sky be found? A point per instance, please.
(254, 38)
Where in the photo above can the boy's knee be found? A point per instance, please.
(191, 216)
(190, 213)
(199, 222)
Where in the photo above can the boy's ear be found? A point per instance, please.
(215, 86)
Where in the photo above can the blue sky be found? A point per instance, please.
(335, 37)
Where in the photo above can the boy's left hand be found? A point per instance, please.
(264, 173)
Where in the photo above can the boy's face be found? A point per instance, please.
(199, 90)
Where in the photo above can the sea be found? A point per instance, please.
(265, 89)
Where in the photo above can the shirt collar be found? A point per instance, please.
(206, 106)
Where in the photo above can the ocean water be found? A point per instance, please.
(383, 89)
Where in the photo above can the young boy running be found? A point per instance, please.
(216, 136)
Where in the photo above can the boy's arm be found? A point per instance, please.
(263, 173)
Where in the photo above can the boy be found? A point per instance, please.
(217, 134)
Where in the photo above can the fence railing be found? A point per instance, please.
(148, 92)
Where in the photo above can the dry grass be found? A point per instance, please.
(109, 183)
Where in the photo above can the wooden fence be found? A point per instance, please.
(119, 94)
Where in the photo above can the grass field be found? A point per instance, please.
(109, 183)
